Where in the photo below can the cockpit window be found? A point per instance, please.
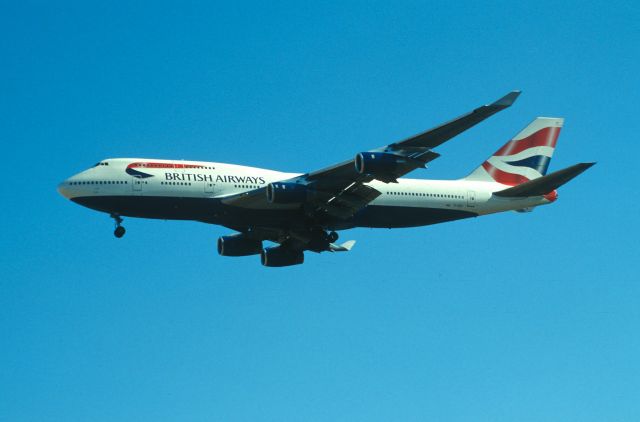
(101, 163)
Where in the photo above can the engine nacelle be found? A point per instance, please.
(238, 245)
(286, 193)
(377, 162)
(281, 257)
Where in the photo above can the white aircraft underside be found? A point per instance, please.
(297, 211)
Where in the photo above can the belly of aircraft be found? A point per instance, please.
(211, 210)
(208, 210)
(381, 216)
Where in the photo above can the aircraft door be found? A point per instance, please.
(136, 185)
(471, 199)
(209, 188)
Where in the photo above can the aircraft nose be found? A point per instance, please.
(64, 189)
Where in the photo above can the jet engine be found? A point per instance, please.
(378, 162)
(279, 256)
(286, 193)
(238, 245)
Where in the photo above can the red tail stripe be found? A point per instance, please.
(546, 137)
(503, 177)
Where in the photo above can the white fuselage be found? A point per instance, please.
(123, 179)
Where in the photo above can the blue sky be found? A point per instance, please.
(508, 317)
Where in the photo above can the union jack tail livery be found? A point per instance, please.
(526, 157)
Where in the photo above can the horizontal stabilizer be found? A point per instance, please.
(345, 247)
(544, 185)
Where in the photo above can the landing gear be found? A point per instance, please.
(317, 240)
(119, 231)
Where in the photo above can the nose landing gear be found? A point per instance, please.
(119, 231)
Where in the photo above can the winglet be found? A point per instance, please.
(345, 247)
(507, 100)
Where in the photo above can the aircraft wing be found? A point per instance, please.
(340, 191)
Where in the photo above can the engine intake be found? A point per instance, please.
(278, 256)
(238, 245)
(377, 162)
(286, 193)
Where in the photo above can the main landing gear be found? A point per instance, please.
(119, 231)
(317, 240)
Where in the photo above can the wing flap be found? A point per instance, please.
(349, 201)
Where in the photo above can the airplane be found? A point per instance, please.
(304, 211)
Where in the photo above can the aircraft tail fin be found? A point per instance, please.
(546, 184)
(525, 157)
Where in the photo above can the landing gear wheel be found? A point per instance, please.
(333, 236)
(119, 232)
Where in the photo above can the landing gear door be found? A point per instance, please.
(471, 199)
